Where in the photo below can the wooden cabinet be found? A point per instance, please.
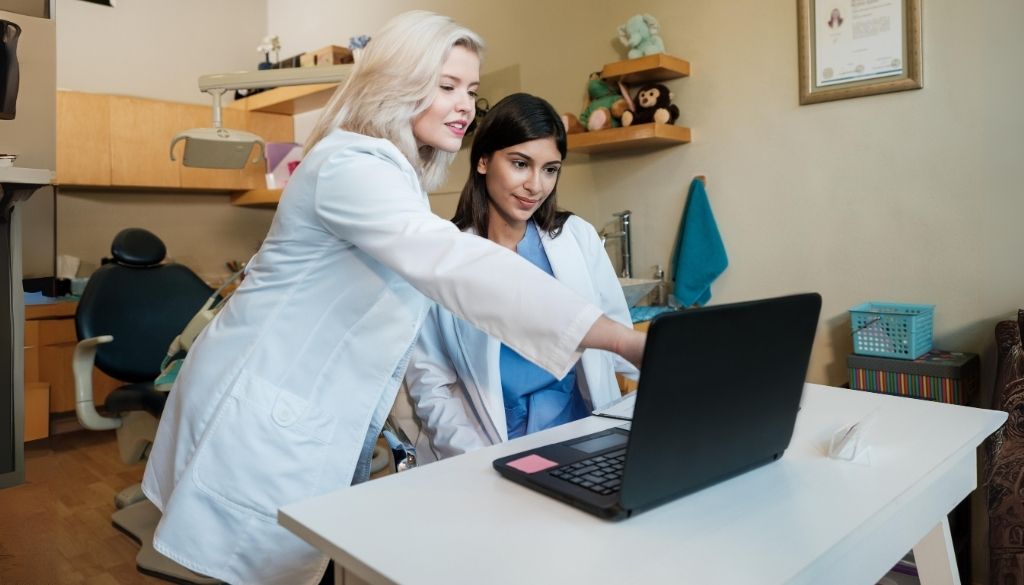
(267, 198)
(648, 69)
(37, 411)
(37, 394)
(83, 139)
(50, 341)
(124, 142)
(140, 136)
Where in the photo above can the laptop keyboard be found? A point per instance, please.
(601, 475)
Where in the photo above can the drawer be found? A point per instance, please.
(31, 351)
(57, 332)
(31, 334)
(37, 411)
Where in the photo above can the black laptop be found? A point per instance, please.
(719, 392)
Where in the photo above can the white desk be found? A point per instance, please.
(804, 519)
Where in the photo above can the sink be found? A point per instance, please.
(636, 289)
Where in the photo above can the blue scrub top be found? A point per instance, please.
(534, 399)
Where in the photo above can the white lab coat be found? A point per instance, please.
(275, 399)
(454, 382)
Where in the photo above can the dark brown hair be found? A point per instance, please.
(514, 120)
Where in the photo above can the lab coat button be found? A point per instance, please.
(283, 414)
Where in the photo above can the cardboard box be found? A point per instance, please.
(942, 376)
(332, 55)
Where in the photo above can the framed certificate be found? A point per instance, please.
(854, 48)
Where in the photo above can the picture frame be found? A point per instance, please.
(853, 49)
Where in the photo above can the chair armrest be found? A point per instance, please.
(82, 362)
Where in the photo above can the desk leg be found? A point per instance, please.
(936, 563)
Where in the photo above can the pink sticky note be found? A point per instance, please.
(532, 464)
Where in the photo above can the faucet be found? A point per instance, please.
(626, 244)
(659, 275)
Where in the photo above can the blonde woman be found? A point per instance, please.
(283, 393)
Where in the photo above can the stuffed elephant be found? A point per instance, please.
(640, 35)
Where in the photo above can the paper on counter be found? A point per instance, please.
(850, 443)
(620, 409)
(67, 266)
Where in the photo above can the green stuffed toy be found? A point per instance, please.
(605, 106)
(640, 36)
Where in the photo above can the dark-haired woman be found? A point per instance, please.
(468, 389)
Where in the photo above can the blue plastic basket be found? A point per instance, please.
(894, 330)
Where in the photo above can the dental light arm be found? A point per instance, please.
(222, 148)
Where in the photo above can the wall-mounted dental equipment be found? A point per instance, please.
(223, 148)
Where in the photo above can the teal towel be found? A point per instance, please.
(700, 254)
(645, 313)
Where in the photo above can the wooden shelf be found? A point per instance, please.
(267, 198)
(290, 100)
(630, 138)
(649, 69)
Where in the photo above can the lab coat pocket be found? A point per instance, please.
(266, 448)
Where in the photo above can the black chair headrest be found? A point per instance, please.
(138, 247)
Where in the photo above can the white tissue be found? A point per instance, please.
(850, 443)
(67, 266)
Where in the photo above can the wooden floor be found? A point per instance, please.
(55, 528)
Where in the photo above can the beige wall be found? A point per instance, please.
(200, 230)
(157, 50)
(912, 197)
(512, 32)
(31, 135)
(906, 197)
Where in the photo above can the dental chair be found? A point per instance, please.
(130, 311)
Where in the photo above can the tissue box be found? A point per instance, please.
(282, 159)
(942, 376)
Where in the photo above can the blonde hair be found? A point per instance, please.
(395, 78)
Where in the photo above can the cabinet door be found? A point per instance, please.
(31, 351)
(37, 411)
(140, 138)
(214, 179)
(56, 345)
(83, 139)
(37, 394)
(271, 128)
